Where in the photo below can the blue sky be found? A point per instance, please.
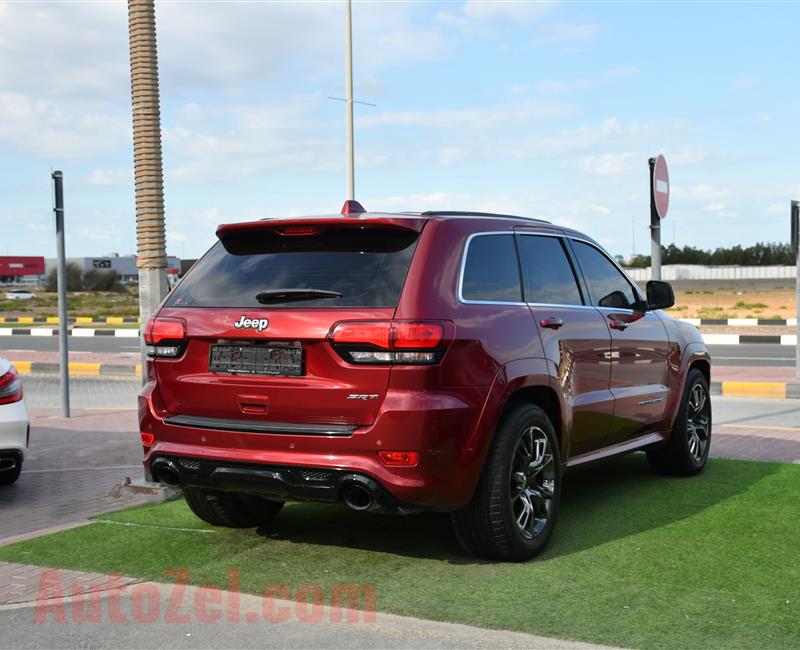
(543, 109)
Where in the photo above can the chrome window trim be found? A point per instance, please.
(562, 236)
(635, 287)
(468, 241)
(541, 305)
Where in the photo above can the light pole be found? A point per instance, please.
(348, 98)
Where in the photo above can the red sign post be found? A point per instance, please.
(659, 204)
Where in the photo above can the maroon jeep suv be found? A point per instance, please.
(450, 361)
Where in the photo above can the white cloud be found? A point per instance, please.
(608, 164)
(451, 155)
(576, 85)
(493, 18)
(109, 178)
(481, 118)
(719, 209)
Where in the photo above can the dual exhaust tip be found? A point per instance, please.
(356, 492)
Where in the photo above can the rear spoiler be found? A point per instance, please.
(314, 225)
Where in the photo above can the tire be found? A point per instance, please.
(231, 510)
(490, 525)
(686, 451)
(9, 476)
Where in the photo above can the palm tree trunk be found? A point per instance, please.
(149, 174)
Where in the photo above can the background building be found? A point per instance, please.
(124, 265)
(27, 271)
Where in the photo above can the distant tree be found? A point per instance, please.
(769, 254)
(96, 280)
(74, 278)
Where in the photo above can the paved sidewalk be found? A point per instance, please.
(776, 444)
(48, 356)
(131, 614)
(71, 468)
(761, 373)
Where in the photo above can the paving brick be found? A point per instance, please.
(71, 468)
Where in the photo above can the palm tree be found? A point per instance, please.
(148, 170)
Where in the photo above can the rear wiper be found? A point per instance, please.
(290, 295)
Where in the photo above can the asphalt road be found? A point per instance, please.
(756, 354)
(76, 343)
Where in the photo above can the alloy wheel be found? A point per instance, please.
(698, 421)
(532, 482)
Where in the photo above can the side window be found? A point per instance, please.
(548, 272)
(608, 285)
(491, 271)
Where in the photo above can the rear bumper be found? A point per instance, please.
(278, 483)
(440, 426)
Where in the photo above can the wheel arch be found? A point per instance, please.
(704, 366)
(545, 398)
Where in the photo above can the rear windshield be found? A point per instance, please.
(367, 266)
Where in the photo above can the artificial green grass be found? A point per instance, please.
(636, 560)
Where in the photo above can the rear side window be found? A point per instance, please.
(548, 273)
(491, 270)
(367, 266)
(608, 285)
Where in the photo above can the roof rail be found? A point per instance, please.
(456, 213)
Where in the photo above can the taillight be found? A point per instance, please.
(10, 387)
(147, 438)
(165, 337)
(392, 342)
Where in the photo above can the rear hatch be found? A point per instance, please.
(258, 308)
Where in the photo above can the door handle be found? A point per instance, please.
(551, 323)
(618, 325)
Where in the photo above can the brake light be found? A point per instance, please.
(391, 342)
(165, 337)
(10, 387)
(399, 458)
(295, 231)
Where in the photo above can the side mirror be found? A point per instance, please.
(659, 295)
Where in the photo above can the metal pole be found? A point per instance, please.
(795, 219)
(348, 98)
(655, 229)
(633, 238)
(61, 275)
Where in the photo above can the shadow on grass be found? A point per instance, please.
(614, 500)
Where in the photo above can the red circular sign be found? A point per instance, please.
(661, 186)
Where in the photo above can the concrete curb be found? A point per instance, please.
(741, 322)
(78, 369)
(757, 389)
(77, 331)
(89, 320)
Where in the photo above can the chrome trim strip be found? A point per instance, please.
(460, 293)
(554, 304)
(260, 426)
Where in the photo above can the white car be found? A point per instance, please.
(19, 294)
(14, 425)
